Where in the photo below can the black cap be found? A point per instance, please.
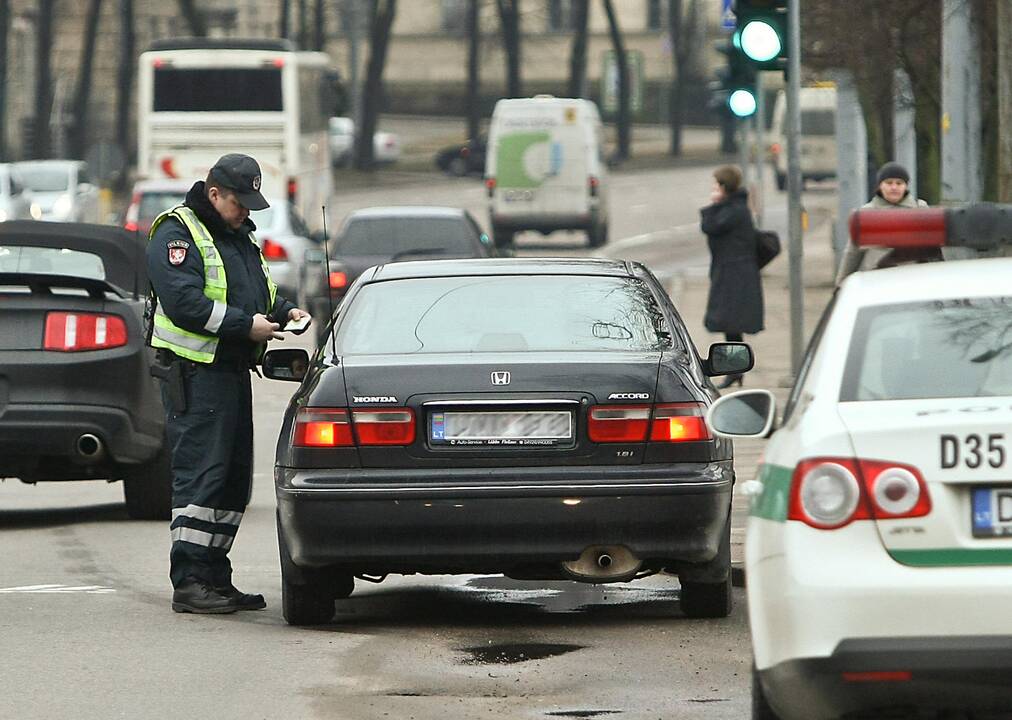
(240, 174)
(893, 171)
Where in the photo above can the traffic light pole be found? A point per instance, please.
(760, 151)
(794, 247)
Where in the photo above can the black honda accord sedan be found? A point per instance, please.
(537, 418)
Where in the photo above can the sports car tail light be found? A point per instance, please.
(828, 493)
(878, 676)
(273, 250)
(389, 426)
(322, 427)
(618, 423)
(76, 332)
(679, 422)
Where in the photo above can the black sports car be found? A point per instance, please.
(537, 418)
(466, 158)
(77, 400)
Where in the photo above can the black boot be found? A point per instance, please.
(729, 381)
(241, 600)
(197, 596)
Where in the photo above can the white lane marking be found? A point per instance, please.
(61, 589)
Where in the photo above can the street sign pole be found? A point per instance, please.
(794, 247)
(760, 150)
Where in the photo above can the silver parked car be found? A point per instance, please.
(14, 204)
(284, 239)
(60, 190)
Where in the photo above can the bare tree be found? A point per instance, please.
(320, 25)
(125, 75)
(194, 18)
(578, 53)
(685, 33)
(473, 67)
(5, 26)
(78, 135)
(622, 62)
(300, 9)
(509, 18)
(379, 38)
(284, 29)
(43, 79)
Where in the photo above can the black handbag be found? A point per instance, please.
(767, 247)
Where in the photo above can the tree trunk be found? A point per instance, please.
(43, 80)
(125, 78)
(578, 53)
(78, 140)
(300, 7)
(683, 27)
(622, 61)
(5, 26)
(379, 38)
(320, 26)
(509, 17)
(194, 18)
(284, 29)
(473, 68)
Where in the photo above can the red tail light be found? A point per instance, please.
(338, 280)
(679, 422)
(130, 226)
(829, 493)
(775, 148)
(273, 250)
(293, 188)
(465, 151)
(389, 426)
(878, 676)
(322, 427)
(592, 184)
(76, 332)
(278, 62)
(618, 423)
(905, 227)
(490, 185)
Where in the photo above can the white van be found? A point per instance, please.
(818, 135)
(544, 168)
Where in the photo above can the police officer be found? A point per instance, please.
(215, 308)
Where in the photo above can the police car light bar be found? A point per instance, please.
(980, 226)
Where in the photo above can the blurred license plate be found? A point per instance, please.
(992, 512)
(502, 428)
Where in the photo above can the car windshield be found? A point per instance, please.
(156, 202)
(939, 349)
(402, 235)
(51, 261)
(45, 179)
(503, 314)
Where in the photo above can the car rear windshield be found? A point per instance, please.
(939, 349)
(44, 179)
(401, 236)
(510, 313)
(51, 261)
(218, 90)
(154, 204)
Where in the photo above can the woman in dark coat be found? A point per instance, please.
(735, 304)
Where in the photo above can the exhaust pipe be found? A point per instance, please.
(603, 563)
(90, 447)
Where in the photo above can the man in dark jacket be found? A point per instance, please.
(215, 309)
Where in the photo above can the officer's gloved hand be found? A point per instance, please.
(263, 329)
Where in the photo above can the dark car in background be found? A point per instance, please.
(77, 400)
(378, 235)
(463, 159)
(543, 419)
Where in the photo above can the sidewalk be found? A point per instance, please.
(771, 347)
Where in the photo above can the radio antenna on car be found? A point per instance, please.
(326, 284)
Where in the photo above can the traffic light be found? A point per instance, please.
(734, 89)
(760, 32)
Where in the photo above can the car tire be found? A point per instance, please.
(305, 604)
(761, 708)
(711, 599)
(502, 238)
(597, 236)
(781, 181)
(457, 167)
(147, 488)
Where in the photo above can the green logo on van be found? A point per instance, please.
(526, 159)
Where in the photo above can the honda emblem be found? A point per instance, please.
(501, 377)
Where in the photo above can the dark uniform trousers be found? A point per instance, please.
(212, 470)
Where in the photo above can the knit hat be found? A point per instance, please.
(892, 171)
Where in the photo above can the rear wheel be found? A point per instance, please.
(597, 236)
(711, 599)
(458, 167)
(503, 238)
(761, 709)
(781, 181)
(147, 488)
(305, 604)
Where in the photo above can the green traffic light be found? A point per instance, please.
(742, 103)
(759, 41)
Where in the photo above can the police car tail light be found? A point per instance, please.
(322, 427)
(293, 189)
(896, 491)
(273, 250)
(903, 228)
(389, 426)
(618, 423)
(826, 494)
(679, 422)
(76, 332)
(490, 186)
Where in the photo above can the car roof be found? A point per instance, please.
(49, 163)
(411, 211)
(502, 266)
(930, 281)
(162, 185)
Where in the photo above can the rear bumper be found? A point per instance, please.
(964, 673)
(493, 519)
(547, 222)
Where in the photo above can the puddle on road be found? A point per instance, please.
(512, 653)
(582, 713)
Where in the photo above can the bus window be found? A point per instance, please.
(218, 90)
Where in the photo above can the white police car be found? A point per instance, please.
(878, 553)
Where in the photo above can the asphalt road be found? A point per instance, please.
(86, 630)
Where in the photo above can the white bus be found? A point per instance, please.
(200, 99)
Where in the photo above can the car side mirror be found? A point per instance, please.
(289, 364)
(729, 359)
(315, 256)
(749, 413)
